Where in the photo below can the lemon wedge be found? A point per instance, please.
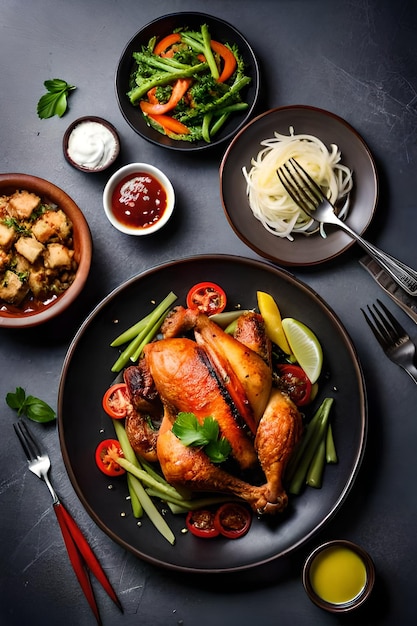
(270, 312)
(305, 346)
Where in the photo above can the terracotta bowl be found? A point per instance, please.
(16, 318)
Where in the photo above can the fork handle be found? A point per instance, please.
(404, 276)
(412, 372)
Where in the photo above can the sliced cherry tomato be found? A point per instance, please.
(207, 297)
(201, 523)
(116, 401)
(104, 462)
(295, 382)
(232, 520)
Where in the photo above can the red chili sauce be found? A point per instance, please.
(139, 200)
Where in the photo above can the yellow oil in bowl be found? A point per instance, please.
(338, 576)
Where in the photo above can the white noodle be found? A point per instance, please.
(268, 199)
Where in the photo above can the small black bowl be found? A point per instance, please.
(162, 26)
(340, 576)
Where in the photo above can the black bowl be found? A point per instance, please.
(162, 26)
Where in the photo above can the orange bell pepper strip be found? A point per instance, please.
(170, 124)
(165, 43)
(229, 60)
(152, 96)
(179, 90)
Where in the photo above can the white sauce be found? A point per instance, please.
(91, 145)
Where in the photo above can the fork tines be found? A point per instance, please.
(299, 185)
(384, 325)
(27, 440)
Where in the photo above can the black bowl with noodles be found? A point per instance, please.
(220, 31)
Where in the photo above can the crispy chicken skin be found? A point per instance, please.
(230, 379)
(186, 382)
(190, 467)
(278, 433)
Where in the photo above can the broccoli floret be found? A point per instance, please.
(163, 94)
(205, 89)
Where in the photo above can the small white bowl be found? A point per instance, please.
(142, 173)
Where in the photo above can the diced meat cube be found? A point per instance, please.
(38, 282)
(58, 256)
(52, 224)
(5, 259)
(7, 236)
(22, 204)
(29, 247)
(12, 288)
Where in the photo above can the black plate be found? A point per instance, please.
(330, 129)
(162, 26)
(82, 422)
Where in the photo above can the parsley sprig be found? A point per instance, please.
(54, 102)
(206, 435)
(34, 408)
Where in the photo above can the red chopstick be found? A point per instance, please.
(82, 557)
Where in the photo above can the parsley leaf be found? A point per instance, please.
(54, 102)
(34, 408)
(206, 435)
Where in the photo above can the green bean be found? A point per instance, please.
(315, 471)
(146, 334)
(137, 508)
(151, 511)
(331, 454)
(225, 318)
(208, 52)
(129, 334)
(317, 434)
(303, 445)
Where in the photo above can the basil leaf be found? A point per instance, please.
(16, 400)
(38, 410)
(46, 106)
(56, 85)
(55, 101)
(34, 408)
(61, 104)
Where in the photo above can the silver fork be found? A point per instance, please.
(392, 338)
(307, 194)
(79, 552)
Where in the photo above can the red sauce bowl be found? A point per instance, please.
(138, 199)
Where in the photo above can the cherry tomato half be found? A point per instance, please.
(103, 460)
(116, 401)
(232, 520)
(295, 382)
(208, 298)
(201, 523)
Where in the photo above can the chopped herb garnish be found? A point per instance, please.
(206, 435)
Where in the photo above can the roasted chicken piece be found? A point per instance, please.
(187, 382)
(220, 376)
(144, 415)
